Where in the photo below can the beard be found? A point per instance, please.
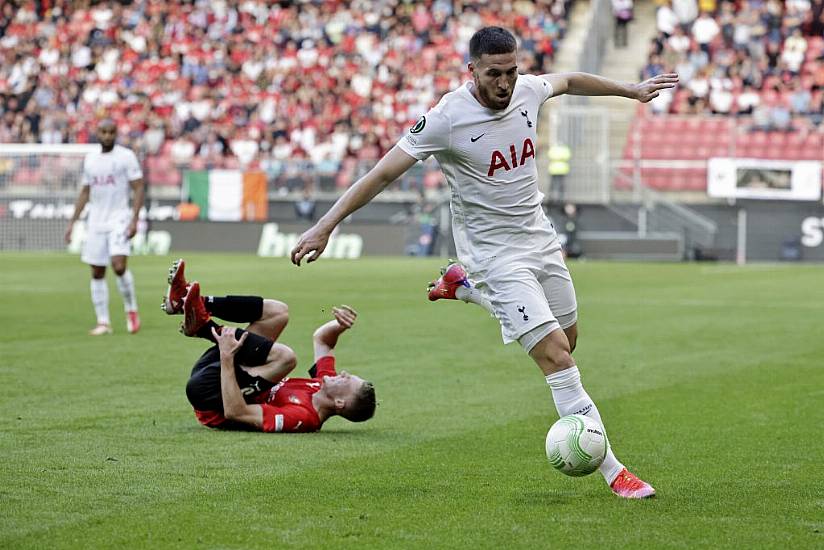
(492, 100)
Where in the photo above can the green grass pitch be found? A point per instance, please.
(709, 377)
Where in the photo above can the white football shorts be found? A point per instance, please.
(103, 243)
(530, 296)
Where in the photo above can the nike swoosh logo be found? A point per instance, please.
(474, 139)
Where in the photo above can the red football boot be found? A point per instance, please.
(132, 322)
(173, 300)
(628, 485)
(452, 276)
(194, 311)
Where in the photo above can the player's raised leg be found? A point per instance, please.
(273, 319)
(260, 355)
(125, 284)
(266, 317)
(552, 354)
(454, 284)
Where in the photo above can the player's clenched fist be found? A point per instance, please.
(345, 316)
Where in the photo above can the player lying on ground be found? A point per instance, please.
(484, 135)
(241, 382)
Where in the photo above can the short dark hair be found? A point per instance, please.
(362, 407)
(491, 40)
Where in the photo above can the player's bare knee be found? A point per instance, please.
(275, 311)
(553, 353)
(560, 357)
(283, 357)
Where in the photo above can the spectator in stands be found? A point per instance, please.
(800, 99)
(188, 66)
(761, 117)
(757, 51)
(622, 12)
(661, 104)
(212, 149)
(795, 46)
(678, 42)
(245, 146)
(747, 100)
(154, 136)
(685, 12)
(726, 21)
(704, 31)
(50, 134)
(780, 117)
(721, 100)
(666, 20)
(653, 68)
(699, 86)
(182, 150)
(306, 206)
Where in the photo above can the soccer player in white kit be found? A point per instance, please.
(484, 136)
(108, 176)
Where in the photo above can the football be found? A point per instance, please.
(576, 445)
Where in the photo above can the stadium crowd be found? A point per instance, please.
(217, 83)
(758, 58)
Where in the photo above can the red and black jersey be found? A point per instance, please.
(287, 407)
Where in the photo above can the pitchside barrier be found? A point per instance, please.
(39, 184)
(774, 231)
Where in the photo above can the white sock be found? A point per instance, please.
(571, 398)
(474, 296)
(125, 284)
(100, 300)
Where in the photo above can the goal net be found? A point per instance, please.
(38, 187)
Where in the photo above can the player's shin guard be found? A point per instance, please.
(100, 300)
(571, 398)
(235, 309)
(125, 284)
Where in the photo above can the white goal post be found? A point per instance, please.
(38, 187)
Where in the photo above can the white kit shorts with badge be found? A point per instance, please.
(530, 296)
(104, 242)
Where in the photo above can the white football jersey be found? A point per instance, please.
(108, 176)
(488, 159)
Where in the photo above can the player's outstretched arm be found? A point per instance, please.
(234, 406)
(389, 168)
(79, 205)
(325, 337)
(594, 85)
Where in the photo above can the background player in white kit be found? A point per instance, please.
(484, 137)
(108, 176)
